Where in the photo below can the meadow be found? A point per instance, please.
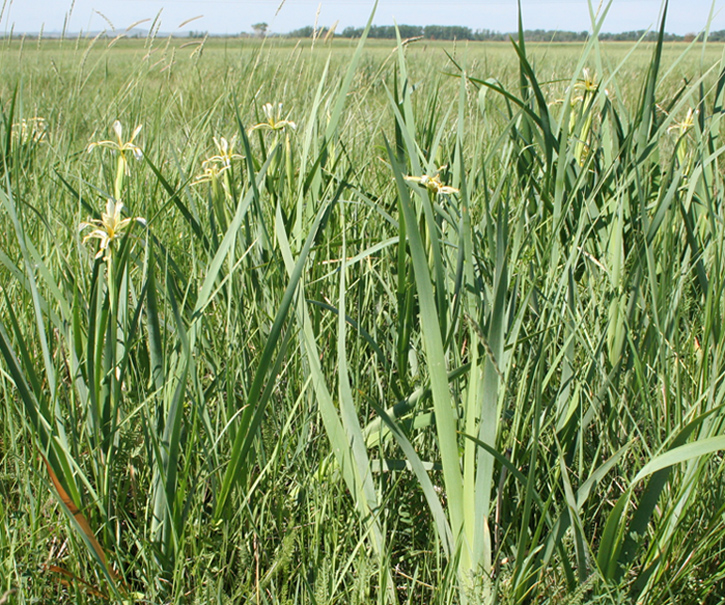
(361, 321)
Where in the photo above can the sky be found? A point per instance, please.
(235, 16)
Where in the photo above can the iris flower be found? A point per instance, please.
(30, 130)
(432, 183)
(108, 228)
(226, 153)
(211, 172)
(588, 84)
(216, 164)
(121, 146)
(685, 125)
(274, 119)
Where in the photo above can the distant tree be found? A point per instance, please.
(352, 32)
(410, 31)
(260, 29)
(381, 31)
(488, 35)
(302, 32)
(447, 32)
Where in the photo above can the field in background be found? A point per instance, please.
(409, 337)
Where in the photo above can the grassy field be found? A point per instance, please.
(361, 322)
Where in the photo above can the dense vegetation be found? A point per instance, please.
(295, 323)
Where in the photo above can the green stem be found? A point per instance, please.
(120, 174)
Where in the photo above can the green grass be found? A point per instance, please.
(310, 378)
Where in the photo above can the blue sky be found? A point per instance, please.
(234, 16)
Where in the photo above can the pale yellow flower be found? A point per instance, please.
(586, 87)
(432, 183)
(684, 157)
(215, 165)
(588, 83)
(30, 130)
(211, 172)
(108, 228)
(225, 156)
(119, 145)
(274, 119)
(685, 125)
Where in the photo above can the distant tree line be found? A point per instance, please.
(429, 32)
(458, 32)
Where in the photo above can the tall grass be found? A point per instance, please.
(447, 337)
